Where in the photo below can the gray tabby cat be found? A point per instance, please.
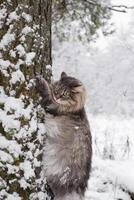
(68, 149)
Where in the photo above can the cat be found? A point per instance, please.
(68, 148)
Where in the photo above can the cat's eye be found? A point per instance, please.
(66, 94)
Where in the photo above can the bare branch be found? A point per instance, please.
(117, 8)
(123, 6)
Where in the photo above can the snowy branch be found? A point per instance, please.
(117, 8)
(120, 8)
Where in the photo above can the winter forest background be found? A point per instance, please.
(92, 40)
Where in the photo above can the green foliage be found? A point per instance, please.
(79, 20)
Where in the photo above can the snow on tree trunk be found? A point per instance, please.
(25, 50)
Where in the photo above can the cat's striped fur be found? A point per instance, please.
(68, 149)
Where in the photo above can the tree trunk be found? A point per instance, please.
(25, 50)
(131, 195)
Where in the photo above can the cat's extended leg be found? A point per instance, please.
(44, 90)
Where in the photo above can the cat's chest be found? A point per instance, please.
(61, 126)
(64, 135)
(65, 144)
(52, 126)
(58, 142)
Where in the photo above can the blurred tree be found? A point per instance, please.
(25, 50)
(80, 19)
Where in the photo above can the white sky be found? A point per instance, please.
(121, 22)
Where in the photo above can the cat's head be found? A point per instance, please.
(69, 93)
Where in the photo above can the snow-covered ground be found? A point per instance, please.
(107, 70)
(113, 160)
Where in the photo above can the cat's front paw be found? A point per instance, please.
(51, 109)
(43, 89)
(40, 82)
(41, 85)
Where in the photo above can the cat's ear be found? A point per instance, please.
(63, 74)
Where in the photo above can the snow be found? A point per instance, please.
(40, 195)
(123, 172)
(113, 160)
(19, 123)
(20, 49)
(13, 147)
(4, 64)
(13, 196)
(107, 70)
(26, 30)
(29, 57)
(48, 67)
(17, 76)
(6, 40)
(100, 73)
(12, 16)
(110, 179)
(28, 170)
(12, 169)
(5, 157)
(23, 183)
(65, 175)
(27, 17)
(14, 123)
(3, 12)
(36, 162)
(13, 104)
(33, 124)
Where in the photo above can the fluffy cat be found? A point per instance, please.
(68, 148)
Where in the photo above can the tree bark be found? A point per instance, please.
(131, 195)
(25, 51)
